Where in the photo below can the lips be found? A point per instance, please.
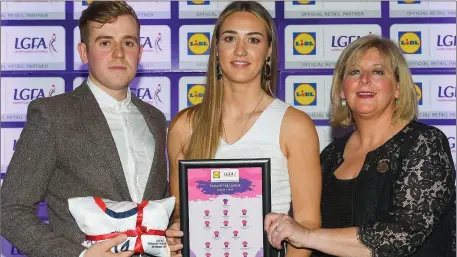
(240, 64)
(117, 68)
(366, 94)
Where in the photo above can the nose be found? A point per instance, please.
(240, 50)
(365, 78)
(118, 51)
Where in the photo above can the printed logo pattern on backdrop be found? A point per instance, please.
(424, 9)
(426, 45)
(331, 9)
(40, 59)
(319, 46)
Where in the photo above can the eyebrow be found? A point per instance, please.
(234, 32)
(110, 37)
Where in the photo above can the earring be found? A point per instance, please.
(267, 69)
(396, 100)
(343, 102)
(218, 71)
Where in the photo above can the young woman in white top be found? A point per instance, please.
(240, 118)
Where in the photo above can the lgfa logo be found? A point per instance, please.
(87, 2)
(343, 41)
(452, 143)
(305, 94)
(303, 2)
(197, 2)
(418, 87)
(149, 46)
(446, 93)
(198, 43)
(35, 45)
(446, 40)
(195, 93)
(304, 43)
(410, 42)
(409, 2)
(27, 94)
(146, 95)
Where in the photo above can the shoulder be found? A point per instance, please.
(54, 104)
(296, 121)
(155, 112)
(421, 133)
(336, 145)
(181, 123)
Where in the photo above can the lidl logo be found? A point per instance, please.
(303, 2)
(305, 94)
(418, 87)
(198, 43)
(410, 42)
(197, 2)
(87, 2)
(409, 2)
(304, 43)
(195, 93)
(216, 174)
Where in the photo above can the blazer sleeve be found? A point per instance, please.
(422, 191)
(25, 185)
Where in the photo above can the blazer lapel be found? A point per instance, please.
(155, 130)
(93, 119)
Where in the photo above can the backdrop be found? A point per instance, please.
(39, 56)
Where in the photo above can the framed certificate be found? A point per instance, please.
(223, 204)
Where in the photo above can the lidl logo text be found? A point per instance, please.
(195, 93)
(418, 87)
(304, 43)
(198, 2)
(303, 2)
(305, 94)
(410, 42)
(198, 43)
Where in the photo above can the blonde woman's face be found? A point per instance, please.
(243, 47)
(369, 87)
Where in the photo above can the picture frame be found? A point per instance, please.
(223, 204)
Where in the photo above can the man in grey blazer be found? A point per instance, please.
(98, 140)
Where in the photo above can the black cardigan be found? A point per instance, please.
(403, 200)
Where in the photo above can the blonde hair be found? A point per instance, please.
(406, 104)
(206, 117)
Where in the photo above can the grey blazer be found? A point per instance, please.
(66, 150)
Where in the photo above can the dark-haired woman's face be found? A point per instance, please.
(243, 47)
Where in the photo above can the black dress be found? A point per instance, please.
(402, 201)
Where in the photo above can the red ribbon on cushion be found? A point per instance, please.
(138, 232)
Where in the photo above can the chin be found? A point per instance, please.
(240, 79)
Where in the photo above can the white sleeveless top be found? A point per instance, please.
(262, 141)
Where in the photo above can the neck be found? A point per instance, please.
(241, 98)
(373, 132)
(118, 94)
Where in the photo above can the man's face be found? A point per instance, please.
(113, 52)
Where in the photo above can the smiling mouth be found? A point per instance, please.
(366, 94)
(240, 64)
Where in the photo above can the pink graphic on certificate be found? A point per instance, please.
(225, 211)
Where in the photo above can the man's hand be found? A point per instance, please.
(103, 249)
(174, 235)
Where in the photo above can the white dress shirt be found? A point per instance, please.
(134, 141)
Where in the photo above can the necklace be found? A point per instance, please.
(246, 123)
